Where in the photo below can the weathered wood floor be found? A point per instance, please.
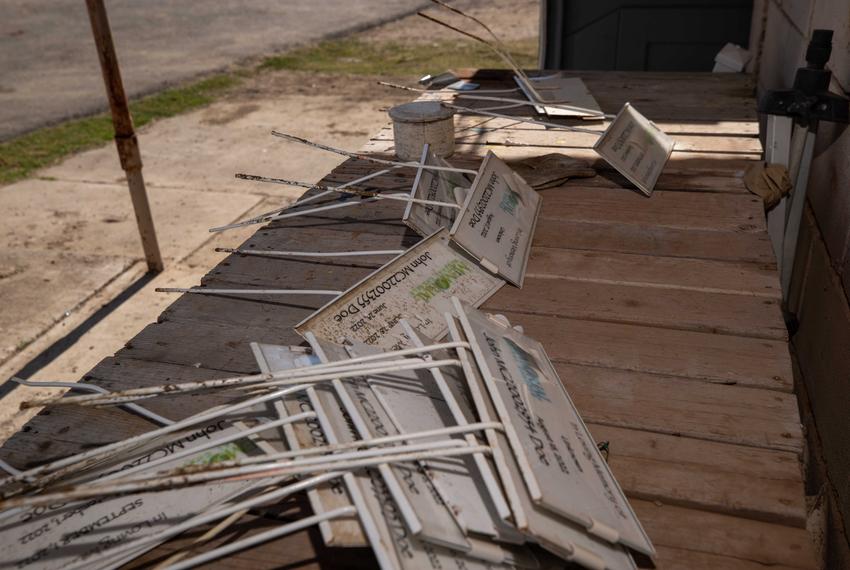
(662, 314)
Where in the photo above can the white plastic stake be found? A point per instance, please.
(273, 253)
(213, 291)
(490, 482)
(367, 157)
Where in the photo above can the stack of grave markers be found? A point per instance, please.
(433, 433)
(436, 434)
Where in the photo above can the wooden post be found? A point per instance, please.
(125, 136)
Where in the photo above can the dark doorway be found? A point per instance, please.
(641, 35)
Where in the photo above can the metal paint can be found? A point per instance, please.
(420, 122)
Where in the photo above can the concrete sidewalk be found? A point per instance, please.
(69, 247)
(48, 64)
(70, 243)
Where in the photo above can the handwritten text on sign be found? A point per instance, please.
(497, 222)
(635, 147)
(57, 535)
(434, 186)
(573, 477)
(417, 286)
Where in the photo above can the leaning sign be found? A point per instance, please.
(636, 148)
(497, 221)
(433, 186)
(562, 467)
(62, 534)
(417, 285)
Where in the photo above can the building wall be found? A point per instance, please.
(821, 288)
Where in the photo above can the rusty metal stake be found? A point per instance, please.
(125, 136)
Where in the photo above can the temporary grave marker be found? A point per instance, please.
(336, 399)
(413, 552)
(566, 91)
(63, 533)
(497, 222)
(654, 146)
(396, 544)
(558, 96)
(660, 139)
(316, 435)
(372, 522)
(560, 536)
(130, 550)
(413, 404)
(433, 186)
(504, 102)
(333, 405)
(636, 147)
(520, 119)
(364, 412)
(49, 472)
(370, 420)
(570, 477)
(417, 285)
(329, 495)
(451, 390)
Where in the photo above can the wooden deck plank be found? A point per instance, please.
(657, 272)
(677, 210)
(233, 311)
(660, 314)
(720, 129)
(567, 140)
(290, 273)
(727, 414)
(545, 263)
(687, 559)
(402, 179)
(592, 298)
(721, 359)
(66, 430)
(651, 240)
(757, 484)
(729, 163)
(613, 267)
(214, 346)
(751, 542)
(678, 309)
(672, 182)
(677, 470)
(588, 229)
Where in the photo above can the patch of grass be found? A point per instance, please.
(20, 157)
(357, 57)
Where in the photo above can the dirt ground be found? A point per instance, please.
(510, 19)
(68, 240)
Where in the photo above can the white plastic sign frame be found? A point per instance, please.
(342, 532)
(497, 222)
(636, 148)
(557, 89)
(63, 534)
(434, 186)
(561, 465)
(417, 285)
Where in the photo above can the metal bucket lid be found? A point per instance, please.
(420, 112)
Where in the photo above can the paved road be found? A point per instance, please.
(48, 65)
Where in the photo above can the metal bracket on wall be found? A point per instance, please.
(793, 116)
